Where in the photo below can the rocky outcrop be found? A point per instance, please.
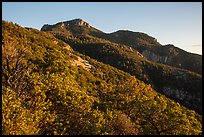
(77, 22)
(187, 99)
(83, 63)
(66, 24)
(154, 57)
(179, 74)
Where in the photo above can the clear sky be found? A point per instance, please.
(177, 23)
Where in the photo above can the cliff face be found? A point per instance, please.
(182, 96)
(154, 57)
(175, 57)
(76, 22)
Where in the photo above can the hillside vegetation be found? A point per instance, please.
(45, 93)
(179, 84)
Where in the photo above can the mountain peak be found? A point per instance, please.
(67, 24)
(77, 22)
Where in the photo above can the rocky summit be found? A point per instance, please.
(72, 23)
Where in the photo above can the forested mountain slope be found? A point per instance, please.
(179, 84)
(151, 49)
(48, 88)
(148, 46)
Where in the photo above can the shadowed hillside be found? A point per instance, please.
(145, 44)
(181, 85)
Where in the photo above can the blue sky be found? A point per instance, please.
(177, 23)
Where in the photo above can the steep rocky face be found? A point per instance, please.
(154, 57)
(165, 59)
(182, 96)
(174, 56)
(77, 22)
